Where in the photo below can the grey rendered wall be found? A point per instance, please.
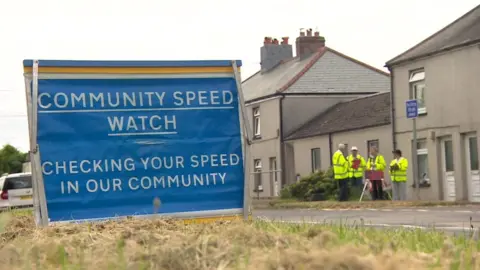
(452, 101)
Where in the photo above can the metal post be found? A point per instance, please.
(36, 195)
(245, 127)
(415, 158)
(34, 149)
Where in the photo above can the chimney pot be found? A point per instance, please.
(306, 45)
(302, 34)
(273, 55)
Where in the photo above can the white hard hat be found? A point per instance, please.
(354, 148)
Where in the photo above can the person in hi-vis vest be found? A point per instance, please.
(375, 173)
(356, 167)
(340, 171)
(398, 174)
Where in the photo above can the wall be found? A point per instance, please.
(358, 138)
(452, 84)
(268, 145)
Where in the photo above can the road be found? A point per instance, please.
(450, 219)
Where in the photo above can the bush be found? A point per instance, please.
(319, 184)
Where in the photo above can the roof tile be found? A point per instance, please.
(364, 112)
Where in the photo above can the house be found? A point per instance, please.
(363, 122)
(289, 91)
(443, 74)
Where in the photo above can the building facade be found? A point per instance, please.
(288, 91)
(442, 74)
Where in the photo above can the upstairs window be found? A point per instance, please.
(256, 122)
(417, 86)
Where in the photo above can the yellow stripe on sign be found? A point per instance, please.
(131, 70)
(214, 219)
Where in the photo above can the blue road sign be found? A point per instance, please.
(110, 147)
(412, 108)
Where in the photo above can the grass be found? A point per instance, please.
(294, 204)
(166, 244)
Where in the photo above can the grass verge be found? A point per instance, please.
(165, 244)
(292, 204)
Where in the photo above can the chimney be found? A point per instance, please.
(272, 53)
(308, 44)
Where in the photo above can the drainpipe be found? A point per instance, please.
(330, 148)
(282, 145)
(392, 106)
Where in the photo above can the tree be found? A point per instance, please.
(11, 159)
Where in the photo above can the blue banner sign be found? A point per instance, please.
(411, 107)
(121, 147)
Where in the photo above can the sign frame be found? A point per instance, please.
(411, 108)
(32, 76)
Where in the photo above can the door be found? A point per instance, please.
(274, 177)
(473, 176)
(448, 167)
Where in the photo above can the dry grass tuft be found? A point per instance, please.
(165, 244)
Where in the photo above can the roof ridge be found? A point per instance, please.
(366, 96)
(302, 72)
(392, 61)
(358, 62)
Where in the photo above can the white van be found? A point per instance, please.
(16, 190)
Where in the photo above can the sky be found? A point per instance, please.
(372, 31)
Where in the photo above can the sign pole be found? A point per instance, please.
(245, 142)
(412, 113)
(34, 149)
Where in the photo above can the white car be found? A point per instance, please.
(16, 191)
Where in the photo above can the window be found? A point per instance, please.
(473, 153)
(449, 163)
(417, 85)
(256, 122)
(371, 144)
(257, 169)
(422, 161)
(315, 157)
(17, 182)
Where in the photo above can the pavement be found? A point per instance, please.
(454, 220)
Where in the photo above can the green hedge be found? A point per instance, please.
(321, 182)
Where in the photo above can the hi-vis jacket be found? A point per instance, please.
(378, 163)
(399, 175)
(340, 165)
(358, 172)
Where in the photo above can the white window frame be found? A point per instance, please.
(417, 78)
(314, 162)
(422, 152)
(257, 169)
(256, 122)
